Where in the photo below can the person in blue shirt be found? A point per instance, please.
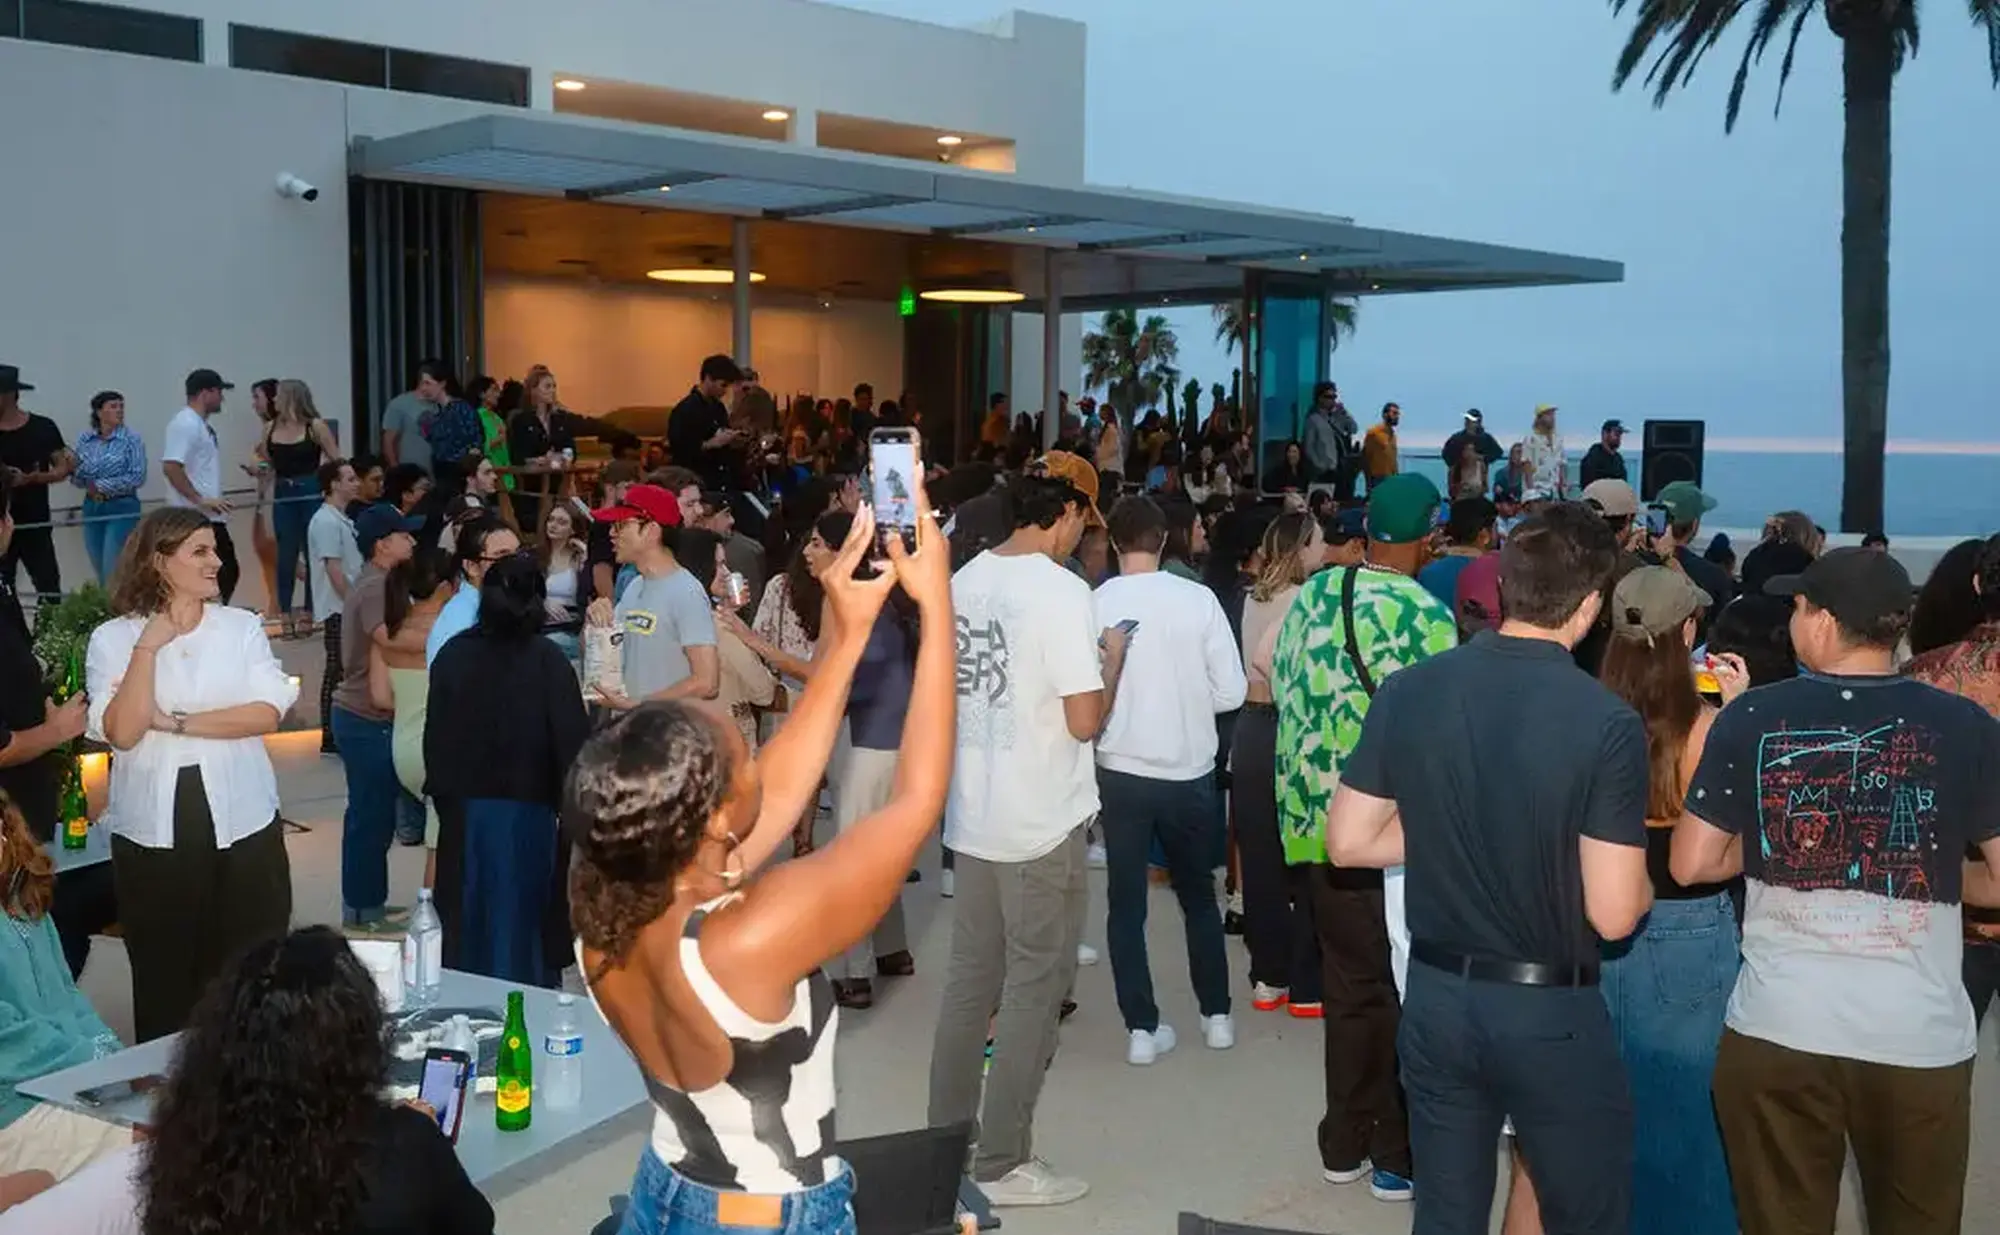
(1469, 533)
(480, 544)
(110, 469)
(45, 1025)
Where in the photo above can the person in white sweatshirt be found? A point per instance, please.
(1156, 773)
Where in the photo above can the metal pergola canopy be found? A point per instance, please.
(1126, 244)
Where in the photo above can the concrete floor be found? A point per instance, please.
(1226, 1134)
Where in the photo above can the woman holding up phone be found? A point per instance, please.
(711, 973)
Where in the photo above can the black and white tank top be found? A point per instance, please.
(767, 1127)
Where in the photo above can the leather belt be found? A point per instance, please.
(1513, 973)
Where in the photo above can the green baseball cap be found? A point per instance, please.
(1402, 509)
(1683, 501)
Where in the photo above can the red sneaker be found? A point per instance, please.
(1268, 998)
(1307, 1011)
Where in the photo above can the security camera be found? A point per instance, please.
(291, 186)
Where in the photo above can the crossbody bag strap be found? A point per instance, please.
(1361, 673)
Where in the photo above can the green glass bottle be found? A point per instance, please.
(514, 1095)
(73, 807)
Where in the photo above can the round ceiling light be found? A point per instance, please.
(951, 139)
(700, 274)
(777, 115)
(973, 295)
(568, 83)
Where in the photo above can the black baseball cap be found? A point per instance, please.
(1859, 587)
(1609, 425)
(206, 379)
(380, 521)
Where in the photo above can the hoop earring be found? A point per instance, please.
(732, 879)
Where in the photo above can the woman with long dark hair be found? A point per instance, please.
(273, 1119)
(1668, 985)
(1949, 604)
(504, 724)
(711, 972)
(184, 690)
(398, 682)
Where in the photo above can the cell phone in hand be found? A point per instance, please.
(445, 1078)
(895, 467)
(1656, 521)
(113, 1093)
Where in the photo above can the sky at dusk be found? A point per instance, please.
(1497, 123)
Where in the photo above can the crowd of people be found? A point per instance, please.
(1509, 784)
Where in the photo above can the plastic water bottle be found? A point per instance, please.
(423, 953)
(561, 1079)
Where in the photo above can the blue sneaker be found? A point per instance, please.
(1389, 1186)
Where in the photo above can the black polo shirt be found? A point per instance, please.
(693, 421)
(36, 785)
(1499, 754)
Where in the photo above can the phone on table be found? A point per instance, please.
(446, 1076)
(895, 468)
(114, 1093)
(1656, 521)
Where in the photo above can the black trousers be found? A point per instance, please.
(1982, 976)
(189, 909)
(330, 631)
(225, 548)
(1277, 899)
(86, 902)
(1365, 1112)
(1474, 1053)
(35, 548)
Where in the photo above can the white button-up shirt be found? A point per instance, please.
(223, 662)
(191, 443)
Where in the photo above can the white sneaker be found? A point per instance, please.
(1143, 1048)
(1085, 954)
(1233, 903)
(947, 883)
(1034, 1182)
(1219, 1032)
(1354, 1176)
(1095, 858)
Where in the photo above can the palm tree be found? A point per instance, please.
(1876, 37)
(1230, 322)
(1131, 360)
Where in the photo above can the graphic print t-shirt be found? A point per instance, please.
(1855, 798)
(1027, 638)
(662, 616)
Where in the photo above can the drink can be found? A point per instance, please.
(737, 588)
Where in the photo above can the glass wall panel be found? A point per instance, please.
(1290, 355)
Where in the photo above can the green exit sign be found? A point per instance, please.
(908, 303)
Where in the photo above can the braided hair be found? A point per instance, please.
(638, 802)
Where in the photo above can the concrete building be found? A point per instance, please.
(497, 178)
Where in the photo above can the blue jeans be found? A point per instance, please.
(370, 821)
(1667, 988)
(106, 524)
(1179, 816)
(297, 498)
(665, 1202)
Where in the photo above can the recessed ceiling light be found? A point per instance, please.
(1305, 257)
(666, 188)
(777, 115)
(973, 295)
(568, 83)
(700, 274)
(950, 139)
(1032, 229)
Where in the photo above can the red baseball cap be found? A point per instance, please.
(644, 502)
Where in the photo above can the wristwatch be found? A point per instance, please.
(180, 722)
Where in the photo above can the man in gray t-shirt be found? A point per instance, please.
(403, 439)
(669, 645)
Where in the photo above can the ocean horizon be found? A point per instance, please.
(1930, 488)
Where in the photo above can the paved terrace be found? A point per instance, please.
(1223, 1133)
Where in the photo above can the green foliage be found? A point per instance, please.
(1131, 360)
(62, 632)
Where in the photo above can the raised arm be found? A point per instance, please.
(807, 911)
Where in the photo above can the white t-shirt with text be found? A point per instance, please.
(1027, 639)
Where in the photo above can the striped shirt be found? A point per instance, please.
(115, 465)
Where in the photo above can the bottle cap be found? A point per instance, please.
(565, 999)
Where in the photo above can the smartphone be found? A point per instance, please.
(895, 468)
(1126, 627)
(446, 1075)
(1656, 521)
(115, 1093)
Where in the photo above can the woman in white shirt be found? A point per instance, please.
(184, 690)
(1277, 913)
(1542, 456)
(564, 561)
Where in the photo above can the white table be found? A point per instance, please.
(96, 850)
(612, 1085)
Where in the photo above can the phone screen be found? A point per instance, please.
(115, 1092)
(443, 1088)
(1656, 521)
(894, 470)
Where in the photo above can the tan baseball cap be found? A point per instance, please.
(1614, 498)
(1078, 471)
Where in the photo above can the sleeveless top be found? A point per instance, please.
(767, 1127)
(293, 459)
